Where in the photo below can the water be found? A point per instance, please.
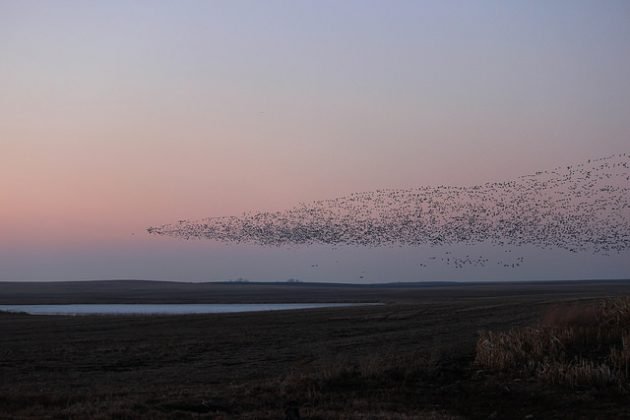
(164, 309)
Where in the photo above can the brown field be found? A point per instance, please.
(432, 351)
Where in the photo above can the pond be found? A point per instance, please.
(165, 309)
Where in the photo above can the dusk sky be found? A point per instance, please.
(120, 115)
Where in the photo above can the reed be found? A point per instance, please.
(585, 345)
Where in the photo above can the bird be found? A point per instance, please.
(584, 207)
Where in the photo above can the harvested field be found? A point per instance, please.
(411, 358)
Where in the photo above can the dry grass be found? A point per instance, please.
(379, 370)
(410, 359)
(578, 345)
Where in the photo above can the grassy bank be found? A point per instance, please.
(424, 356)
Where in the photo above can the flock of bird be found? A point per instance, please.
(578, 208)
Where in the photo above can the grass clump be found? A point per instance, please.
(582, 345)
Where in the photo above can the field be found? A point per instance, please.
(416, 356)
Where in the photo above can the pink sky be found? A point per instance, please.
(118, 117)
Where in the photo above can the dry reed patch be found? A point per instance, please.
(584, 345)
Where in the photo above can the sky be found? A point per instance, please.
(119, 115)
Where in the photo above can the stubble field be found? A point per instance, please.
(413, 357)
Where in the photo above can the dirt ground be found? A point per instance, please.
(409, 358)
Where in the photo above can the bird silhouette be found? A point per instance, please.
(578, 208)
